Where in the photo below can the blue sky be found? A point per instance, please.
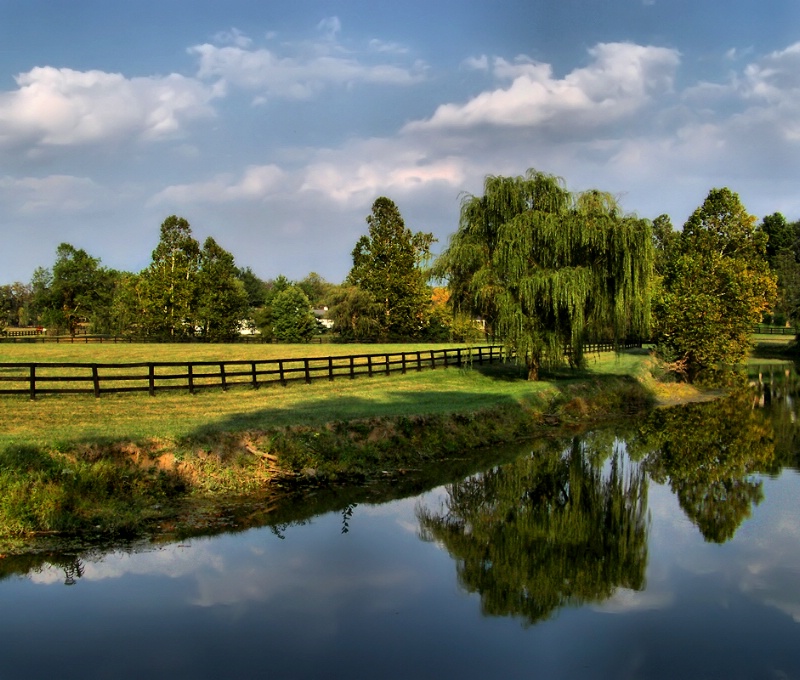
(273, 126)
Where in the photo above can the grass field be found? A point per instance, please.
(69, 419)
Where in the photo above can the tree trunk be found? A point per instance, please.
(533, 367)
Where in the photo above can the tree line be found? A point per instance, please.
(544, 269)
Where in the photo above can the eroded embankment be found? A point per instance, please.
(135, 488)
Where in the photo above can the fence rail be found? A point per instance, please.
(38, 378)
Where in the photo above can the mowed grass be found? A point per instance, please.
(63, 420)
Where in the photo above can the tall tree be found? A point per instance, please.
(549, 270)
(170, 281)
(222, 300)
(545, 531)
(388, 263)
(718, 287)
(74, 290)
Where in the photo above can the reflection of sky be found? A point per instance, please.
(378, 602)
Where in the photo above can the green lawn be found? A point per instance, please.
(68, 419)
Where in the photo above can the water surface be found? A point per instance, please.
(666, 548)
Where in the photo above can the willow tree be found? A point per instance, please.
(548, 270)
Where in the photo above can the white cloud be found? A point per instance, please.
(295, 77)
(31, 196)
(256, 183)
(301, 70)
(619, 81)
(233, 37)
(61, 107)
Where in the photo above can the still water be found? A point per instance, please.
(665, 548)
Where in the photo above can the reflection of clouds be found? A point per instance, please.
(760, 561)
(624, 601)
(173, 561)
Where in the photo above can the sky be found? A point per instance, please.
(273, 126)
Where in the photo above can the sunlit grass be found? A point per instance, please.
(66, 419)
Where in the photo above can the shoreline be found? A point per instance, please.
(123, 489)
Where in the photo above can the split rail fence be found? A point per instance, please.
(35, 379)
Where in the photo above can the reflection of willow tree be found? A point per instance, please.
(709, 452)
(545, 531)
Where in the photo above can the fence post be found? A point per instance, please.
(191, 379)
(281, 370)
(480, 355)
(446, 363)
(255, 375)
(419, 361)
(403, 355)
(222, 376)
(95, 381)
(433, 360)
(369, 365)
(387, 364)
(330, 367)
(307, 371)
(458, 359)
(352, 367)
(32, 379)
(151, 379)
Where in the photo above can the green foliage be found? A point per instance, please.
(547, 530)
(316, 289)
(708, 454)
(187, 290)
(716, 288)
(43, 492)
(292, 318)
(388, 264)
(356, 315)
(548, 270)
(15, 300)
(169, 283)
(76, 290)
(222, 300)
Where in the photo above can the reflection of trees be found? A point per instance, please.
(709, 452)
(546, 530)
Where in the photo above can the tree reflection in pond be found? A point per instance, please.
(708, 452)
(554, 528)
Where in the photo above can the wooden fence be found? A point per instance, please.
(35, 379)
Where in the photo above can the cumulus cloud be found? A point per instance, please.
(58, 107)
(619, 81)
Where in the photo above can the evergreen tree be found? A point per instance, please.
(388, 263)
(222, 301)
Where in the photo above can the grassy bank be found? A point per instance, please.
(113, 465)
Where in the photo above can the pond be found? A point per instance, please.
(665, 548)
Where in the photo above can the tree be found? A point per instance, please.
(718, 287)
(170, 281)
(546, 530)
(665, 243)
(709, 454)
(73, 291)
(549, 270)
(222, 300)
(292, 318)
(388, 264)
(316, 289)
(356, 315)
